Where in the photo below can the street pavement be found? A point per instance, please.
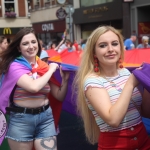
(71, 136)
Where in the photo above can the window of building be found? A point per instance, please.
(86, 3)
(29, 7)
(50, 3)
(48, 38)
(36, 4)
(9, 6)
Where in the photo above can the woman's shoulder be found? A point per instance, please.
(93, 81)
(93, 78)
(124, 71)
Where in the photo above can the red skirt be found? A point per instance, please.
(132, 138)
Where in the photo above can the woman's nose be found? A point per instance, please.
(110, 47)
(30, 45)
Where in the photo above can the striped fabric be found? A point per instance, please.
(132, 116)
(21, 94)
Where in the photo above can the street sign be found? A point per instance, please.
(61, 13)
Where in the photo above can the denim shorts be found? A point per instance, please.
(28, 127)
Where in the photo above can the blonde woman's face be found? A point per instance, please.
(4, 45)
(108, 49)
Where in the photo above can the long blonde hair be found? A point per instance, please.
(86, 67)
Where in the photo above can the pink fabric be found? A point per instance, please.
(10, 80)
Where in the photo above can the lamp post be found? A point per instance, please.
(69, 20)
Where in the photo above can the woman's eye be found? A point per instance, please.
(24, 43)
(102, 45)
(33, 42)
(114, 44)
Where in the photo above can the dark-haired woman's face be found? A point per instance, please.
(29, 47)
(4, 45)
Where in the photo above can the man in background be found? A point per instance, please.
(129, 43)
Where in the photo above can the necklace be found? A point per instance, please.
(113, 84)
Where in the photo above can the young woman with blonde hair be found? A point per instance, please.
(106, 93)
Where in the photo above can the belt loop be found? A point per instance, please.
(43, 108)
(25, 110)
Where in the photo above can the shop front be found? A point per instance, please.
(140, 20)
(114, 13)
(50, 32)
(9, 32)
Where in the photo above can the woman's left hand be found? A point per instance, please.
(64, 75)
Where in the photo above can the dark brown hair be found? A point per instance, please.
(2, 38)
(12, 52)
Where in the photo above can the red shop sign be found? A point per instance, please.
(143, 29)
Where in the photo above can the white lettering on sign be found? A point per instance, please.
(47, 27)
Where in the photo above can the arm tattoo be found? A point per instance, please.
(47, 147)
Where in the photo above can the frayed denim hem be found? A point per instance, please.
(45, 137)
(20, 140)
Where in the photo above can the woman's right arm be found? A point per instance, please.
(62, 41)
(34, 85)
(112, 114)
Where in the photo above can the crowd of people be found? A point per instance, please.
(107, 93)
(129, 43)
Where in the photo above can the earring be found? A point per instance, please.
(96, 69)
(120, 63)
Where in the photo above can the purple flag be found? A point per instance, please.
(143, 76)
(15, 71)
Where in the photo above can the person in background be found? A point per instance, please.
(144, 44)
(65, 45)
(70, 47)
(44, 56)
(27, 81)
(3, 43)
(53, 46)
(42, 44)
(76, 45)
(83, 44)
(55, 104)
(107, 92)
(129, 43)
(61, 45)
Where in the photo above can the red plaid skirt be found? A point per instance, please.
(134, 138)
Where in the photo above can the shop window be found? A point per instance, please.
(36, 4)
(86, 3)
(29, 9)
(50, 3)
(48, 38)
(9, 8)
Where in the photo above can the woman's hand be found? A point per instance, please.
(64, 75)
(53, 66)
